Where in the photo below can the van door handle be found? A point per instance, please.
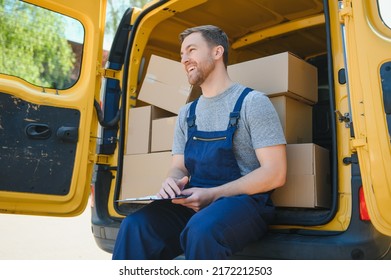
(38, 131)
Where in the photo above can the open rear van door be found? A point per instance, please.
(47, 128)
(368, 68)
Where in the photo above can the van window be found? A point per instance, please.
(40, 46)
(385, 11)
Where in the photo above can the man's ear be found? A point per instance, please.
(218, 52)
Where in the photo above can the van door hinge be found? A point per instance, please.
(99, 159)
(350, 160)
(357, 143)
(109, 73)
(345, 10)
(345, 118)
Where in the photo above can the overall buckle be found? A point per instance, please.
(234, 118)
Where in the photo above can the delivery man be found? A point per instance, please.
(228, 155)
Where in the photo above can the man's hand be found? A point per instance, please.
(172, 187)
(198, 198)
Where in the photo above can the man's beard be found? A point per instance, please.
(202, 71)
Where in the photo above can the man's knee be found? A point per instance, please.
(200, 230)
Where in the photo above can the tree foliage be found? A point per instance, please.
(33, 45)
(116, 9)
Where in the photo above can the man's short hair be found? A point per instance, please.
(213, 35)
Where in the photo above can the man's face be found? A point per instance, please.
(197, 58)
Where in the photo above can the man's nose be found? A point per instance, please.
(184, 59)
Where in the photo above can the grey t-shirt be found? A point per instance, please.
(258, 126)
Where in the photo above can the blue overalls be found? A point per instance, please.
(163, 230)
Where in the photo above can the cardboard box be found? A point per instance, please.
(162, 134)
(139, 128)
(144, 174)
(295, 117)
(279, 74)
(308, 178)
(165, 85)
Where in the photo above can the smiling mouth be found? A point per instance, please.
(190, 69)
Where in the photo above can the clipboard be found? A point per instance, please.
(148, 198)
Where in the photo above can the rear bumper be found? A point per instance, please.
(351, 244)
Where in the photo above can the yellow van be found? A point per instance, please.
(105, 129)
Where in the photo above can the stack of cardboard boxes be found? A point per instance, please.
(291, 84)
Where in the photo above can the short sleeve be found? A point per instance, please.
(262, 121)
(180, 132)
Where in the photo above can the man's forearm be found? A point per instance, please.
(176, 173)
(177, 169)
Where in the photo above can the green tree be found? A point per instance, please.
(33, 45)
(115, 11)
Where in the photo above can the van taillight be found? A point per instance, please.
(364, 216)
(92, 195)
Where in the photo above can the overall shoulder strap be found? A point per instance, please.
(192, 117)
(235, 114)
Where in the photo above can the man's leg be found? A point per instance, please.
(226, 227)
(152, 232)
